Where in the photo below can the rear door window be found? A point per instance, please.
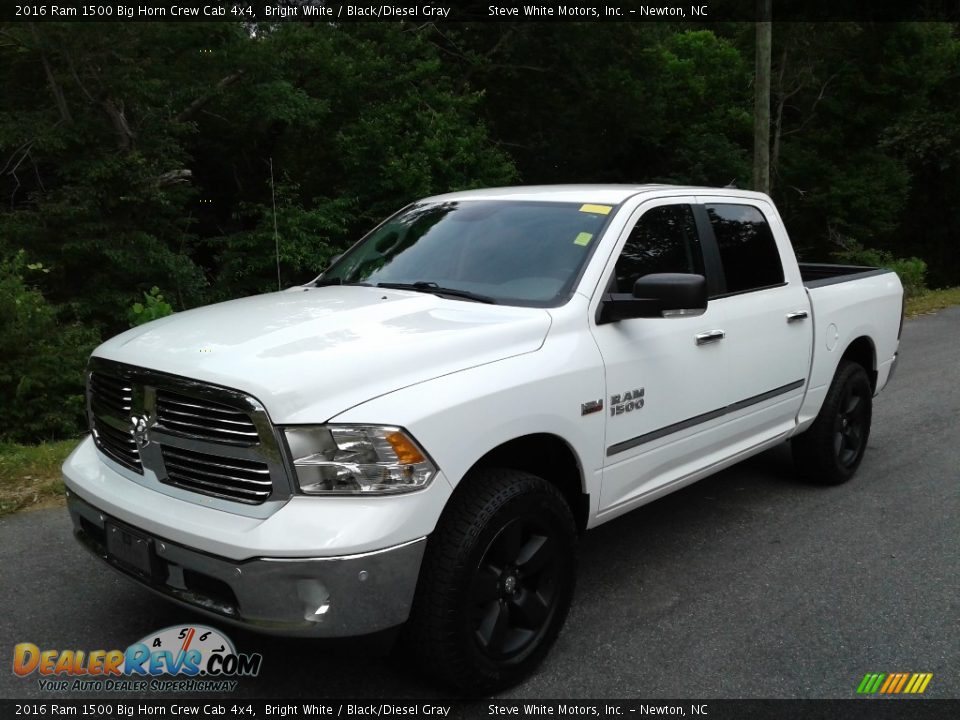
(747, 248)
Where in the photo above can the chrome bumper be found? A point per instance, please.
(314, 597)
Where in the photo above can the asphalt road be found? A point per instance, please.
(749, 584)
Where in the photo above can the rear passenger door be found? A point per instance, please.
(768, 331)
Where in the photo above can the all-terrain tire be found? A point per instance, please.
(830, 450)
(496, 582)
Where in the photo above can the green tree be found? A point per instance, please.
(41, 360)
(601, 102)
(864, 129)
(100, 181)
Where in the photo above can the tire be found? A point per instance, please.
(496, 582)
(830, 450)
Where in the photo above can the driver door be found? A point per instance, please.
(665, 376)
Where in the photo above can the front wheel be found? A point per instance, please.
(830, 450)
(497, 581)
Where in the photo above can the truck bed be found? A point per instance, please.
(820, 274)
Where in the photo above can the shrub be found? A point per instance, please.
(912, 270)
(153, 306)
(41, 361)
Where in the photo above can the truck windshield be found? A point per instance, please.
(505, 251)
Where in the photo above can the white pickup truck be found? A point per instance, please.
(418, 436)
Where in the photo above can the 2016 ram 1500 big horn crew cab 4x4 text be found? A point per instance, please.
(419, 435)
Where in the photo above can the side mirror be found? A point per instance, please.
(657, 295)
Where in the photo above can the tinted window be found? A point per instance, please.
(663, 240)
(514, 251)
(747, 249)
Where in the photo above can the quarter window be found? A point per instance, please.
(747, 249)
(663, 240)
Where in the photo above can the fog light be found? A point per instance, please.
(315, 598)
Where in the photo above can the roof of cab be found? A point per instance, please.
(609, 194)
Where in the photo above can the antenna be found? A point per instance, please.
(276, 237)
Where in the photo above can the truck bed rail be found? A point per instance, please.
(820, 274)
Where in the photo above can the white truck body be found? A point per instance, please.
(465, 379)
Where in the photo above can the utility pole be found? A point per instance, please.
(761, 97)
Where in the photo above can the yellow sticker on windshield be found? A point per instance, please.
(598, 209)
(583, 239)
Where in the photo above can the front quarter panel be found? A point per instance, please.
(460, 417)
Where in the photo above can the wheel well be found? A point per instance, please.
(862, 352)
(549, 457)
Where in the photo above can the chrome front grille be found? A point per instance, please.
(193, 436)
(203, 419)
(233, 478)
(118, 445)
(110, 394)
(111, 402)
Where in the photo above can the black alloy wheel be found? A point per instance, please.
(830, 450)
(496, 581)
(515, 590)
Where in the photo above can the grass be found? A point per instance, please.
(933, 300)
(30, 475)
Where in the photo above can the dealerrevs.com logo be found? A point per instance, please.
(201, 658)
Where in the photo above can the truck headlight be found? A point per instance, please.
(355, 459)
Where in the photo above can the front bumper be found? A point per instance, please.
(317, 597)
(893, 367)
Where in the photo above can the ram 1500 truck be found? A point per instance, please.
(418, 436)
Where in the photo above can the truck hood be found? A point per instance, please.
(308, 354)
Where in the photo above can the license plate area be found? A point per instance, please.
(130, 549)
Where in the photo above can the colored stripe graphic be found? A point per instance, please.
(894, 683)
(871, 683)
(918, 683)
(891, 681)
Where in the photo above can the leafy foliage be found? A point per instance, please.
(41, 361)
(153, 306)
(912, 271)
(200, 157)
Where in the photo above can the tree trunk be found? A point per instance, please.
(761, 98)
(58, 97)
(782, 97)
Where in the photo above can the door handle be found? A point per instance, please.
(710, 337)
(796, 316)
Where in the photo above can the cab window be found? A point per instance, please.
(664, 240)
(747, 248)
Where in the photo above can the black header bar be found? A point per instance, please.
(504, 11)
(111, 708)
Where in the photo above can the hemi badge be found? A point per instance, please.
(591, 407)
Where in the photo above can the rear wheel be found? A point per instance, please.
(497, 581)
(830, 450)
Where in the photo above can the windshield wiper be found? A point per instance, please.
(432, 287)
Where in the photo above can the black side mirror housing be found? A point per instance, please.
(655, 296)
(674, 291)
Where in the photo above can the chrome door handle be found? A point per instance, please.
(795, 316)
(710, 337)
